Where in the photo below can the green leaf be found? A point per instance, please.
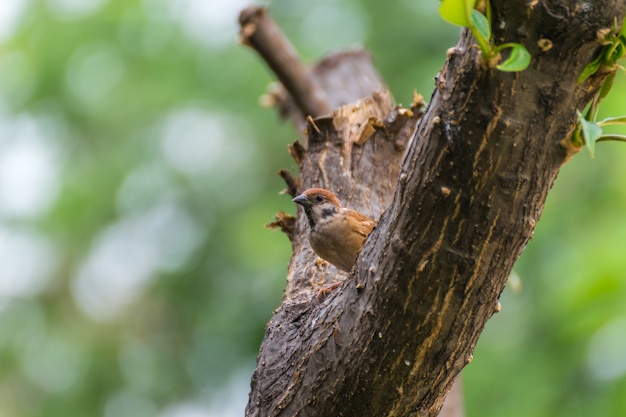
(518, 60)
(614, 138)
(606, 86)
(619, 120)
(481, 24)
(614, 52)
(590, 69)
(619, 51)
(591, 132)
(456, 12)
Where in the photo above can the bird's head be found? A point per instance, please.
(318, 204)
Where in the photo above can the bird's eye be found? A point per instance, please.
(319, 198)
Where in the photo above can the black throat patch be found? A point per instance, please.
(309, 215)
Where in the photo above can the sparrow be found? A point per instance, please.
(336, 234)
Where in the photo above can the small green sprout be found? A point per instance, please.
(588, 131)
(463, 13)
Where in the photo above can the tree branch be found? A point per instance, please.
(263, 34)
(466, 200)
(336, 80)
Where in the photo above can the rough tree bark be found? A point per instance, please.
(458, 192)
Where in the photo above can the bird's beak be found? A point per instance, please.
(302, 200)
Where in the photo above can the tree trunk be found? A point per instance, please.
(458, 198)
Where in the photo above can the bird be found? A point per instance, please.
(336, 234)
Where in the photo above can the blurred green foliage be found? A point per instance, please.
(136, 174)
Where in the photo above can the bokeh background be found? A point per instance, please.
(137, 170)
